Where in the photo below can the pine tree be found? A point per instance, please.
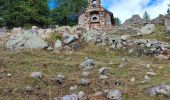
(117, 21)
(25, 13)
(168, 11)
(66, 11)
(146, 16)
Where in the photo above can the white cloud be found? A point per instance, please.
(124, 9)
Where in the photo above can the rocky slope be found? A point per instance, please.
(130, 62)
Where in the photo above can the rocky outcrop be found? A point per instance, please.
(26, 40)
(135, 20)
(159, 20)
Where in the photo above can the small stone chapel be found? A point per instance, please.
(96, 17)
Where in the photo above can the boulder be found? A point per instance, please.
(26, 40)
(18, 30)
(114, 95)
(159, 90)
(147, 29)
(68, 38)
(58, 45)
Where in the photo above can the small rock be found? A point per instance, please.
(121, 65)
(114, 95)
(72, 88)
(130, 51)
(84, 82)
(103, 71)
(85, 73)
(151, 73)
(37, 75)
(82, 96)
(117, 83)
(132, 79)
(70, 97)
(103, 77)
(49, 48)
(9, 75)
(58, 80)
(87, 64)
(146, 78)
(28, 89)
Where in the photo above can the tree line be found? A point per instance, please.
(26, 13)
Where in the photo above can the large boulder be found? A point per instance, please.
(147, 29)
(27, 40)
(159, 90)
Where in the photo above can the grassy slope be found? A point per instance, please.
(21, 64)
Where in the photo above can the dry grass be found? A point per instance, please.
(21, 64)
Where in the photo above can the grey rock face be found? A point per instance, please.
(159, 90)
(114, 95)
(27, 40)
(37, 75)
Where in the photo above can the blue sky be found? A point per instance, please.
(124, 9)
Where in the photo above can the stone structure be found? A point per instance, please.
(96, 17)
